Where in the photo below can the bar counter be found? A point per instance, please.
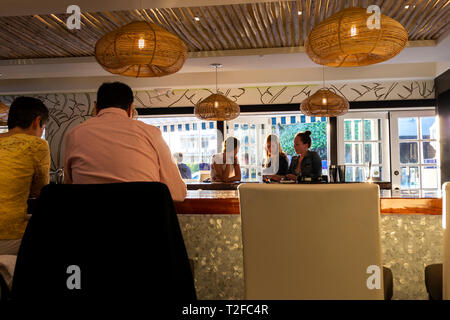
(210, 220)
(222, 198)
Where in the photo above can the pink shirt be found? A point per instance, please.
(111, 147)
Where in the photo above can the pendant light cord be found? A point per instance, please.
(323, 77)
(216, 80)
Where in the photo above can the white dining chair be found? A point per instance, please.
(312, 241)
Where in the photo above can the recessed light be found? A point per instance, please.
(196, 18)
(407, 6)
(299, 13)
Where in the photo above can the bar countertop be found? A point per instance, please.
(227, 202)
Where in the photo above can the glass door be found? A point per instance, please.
(363, 146)
(251, 132)
(415, 152)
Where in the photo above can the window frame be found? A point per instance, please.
(385, 139)
(395, 141)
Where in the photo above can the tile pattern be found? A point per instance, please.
(409, 243)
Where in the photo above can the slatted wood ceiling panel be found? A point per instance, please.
(227, 27)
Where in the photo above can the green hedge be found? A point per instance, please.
(318, 137)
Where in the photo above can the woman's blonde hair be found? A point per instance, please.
(276, 141)
(230, 141)
(273, 138)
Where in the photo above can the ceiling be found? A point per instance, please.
(208, 28)
(242, 35)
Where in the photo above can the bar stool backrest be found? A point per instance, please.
(446, 253)
(103, 242)
(311, 241)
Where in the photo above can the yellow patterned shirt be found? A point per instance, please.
(24, 170)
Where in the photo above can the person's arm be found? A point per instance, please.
(237, 172)
(316, 165)
(168, 170)
(216, 171)
(283, 165)
(41, 175)
(291, 171)
(189, 172)
(273, 177)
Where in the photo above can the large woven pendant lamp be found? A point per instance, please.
(4, 110)
(350, 38)
(217, 107)
(324, 103)
(141, 49)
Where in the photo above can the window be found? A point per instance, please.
(415, 151)
(252, 131)
(363, 146)
(196, 139)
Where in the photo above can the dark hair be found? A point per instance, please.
(24, 110)
(114, 94)
(230, 141)
(305, 137)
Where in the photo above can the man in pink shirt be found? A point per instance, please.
(112, 147)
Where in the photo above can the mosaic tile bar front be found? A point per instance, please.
(409, 243)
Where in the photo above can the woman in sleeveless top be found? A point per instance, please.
(225, 166)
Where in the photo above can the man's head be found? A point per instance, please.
(116, 95)
(28, 113)
(178, 156)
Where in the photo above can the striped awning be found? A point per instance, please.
(296, 119)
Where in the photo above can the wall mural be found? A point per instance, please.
(69, 109)
(289, 94)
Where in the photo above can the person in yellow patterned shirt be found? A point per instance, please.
(24, 168)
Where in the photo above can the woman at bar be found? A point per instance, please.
(276, 163)
(24, 168)
(307, 163)
(225, 166)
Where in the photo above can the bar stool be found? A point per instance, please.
(437, 276)
(110, 243)
(313, 241)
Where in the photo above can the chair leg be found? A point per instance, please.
(388, 283)
(4, 290)
(191, 264)
(433, 281)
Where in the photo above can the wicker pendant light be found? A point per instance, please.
(345, 39)
(217, 107)
(141, 49)
(4, 110)
(324, 103)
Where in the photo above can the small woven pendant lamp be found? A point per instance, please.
(352, 38)
(216, 107)
(141, 49)
(324, 103)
